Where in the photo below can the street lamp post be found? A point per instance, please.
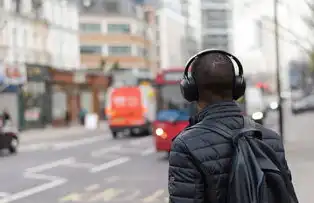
(280, 108)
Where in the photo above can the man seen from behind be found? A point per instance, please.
(200, 160)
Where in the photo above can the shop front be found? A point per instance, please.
(62, 89)
(36, 97)
(75, 91)
(99, 84)
(12, 77)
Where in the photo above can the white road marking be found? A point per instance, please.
(40, 176)
(3, 194)
(109, 164)
(33, 190)
(129, 150)
(141, 141)
(100, 152)
(40, 168)
(108, 195)
(33, 174)
(131, 197)
(33, 147)
(154, 197)
(81, 165)
(92, 187)
(148, 151)
(73, 197)
(112, 179)
(66, 145)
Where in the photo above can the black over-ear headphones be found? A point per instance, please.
(188, 84)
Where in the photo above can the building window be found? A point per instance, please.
(112, 7)
(17, 6)
(119, 50)
(157, 20)
(37, 8)
(119, 28)
(142, 52)
(259, 33)
(216, 42)
(219, 24)
(90, 27)
(90, 49)
(216, 14)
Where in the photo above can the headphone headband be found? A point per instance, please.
(211, 51)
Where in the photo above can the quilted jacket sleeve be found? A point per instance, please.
(185, 182)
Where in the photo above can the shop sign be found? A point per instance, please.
(36, 72)
(79, 77)
(13, 74)
(32, 114)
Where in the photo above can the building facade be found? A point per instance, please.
(36, 36)
(115, 32)
(178, 31)
(217, 24)
(257, 44)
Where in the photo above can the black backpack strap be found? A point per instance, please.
(249, 128)
(217, 128)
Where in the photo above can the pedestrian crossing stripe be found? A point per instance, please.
(73, 197)
(154, 196)
(107, 195)
(115, 195)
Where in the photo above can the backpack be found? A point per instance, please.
(257, 176)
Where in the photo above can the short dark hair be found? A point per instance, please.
(214, 76)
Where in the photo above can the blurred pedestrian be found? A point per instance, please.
(82, 116)
(221, 156)
(67, 117)
(6, 117)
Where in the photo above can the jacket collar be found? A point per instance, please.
(217, 110)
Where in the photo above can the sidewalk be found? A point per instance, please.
(301, 162)
(299, 144)
(57, 132)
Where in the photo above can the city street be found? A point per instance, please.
(92, 167)
(85, 168)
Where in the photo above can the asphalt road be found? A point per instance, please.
(92, 167)
(85, 168)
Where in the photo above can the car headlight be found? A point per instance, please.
(159, 131)
(274, 105)
(257, 115)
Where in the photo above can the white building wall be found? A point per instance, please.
(137, 29)
(172, 25)
(63, 38)
(195, 19)
(23, 43)
(293, 34)
(216, 20)
(171, 28)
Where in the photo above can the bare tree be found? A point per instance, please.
(309, 20)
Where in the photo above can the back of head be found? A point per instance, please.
(214, 76)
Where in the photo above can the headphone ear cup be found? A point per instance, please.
(189, 89)
(239, 87)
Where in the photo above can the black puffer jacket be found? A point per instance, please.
(200, 161)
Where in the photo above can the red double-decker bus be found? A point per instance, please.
(173, 111)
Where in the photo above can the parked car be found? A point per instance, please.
(8, 137)
(303, 105)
